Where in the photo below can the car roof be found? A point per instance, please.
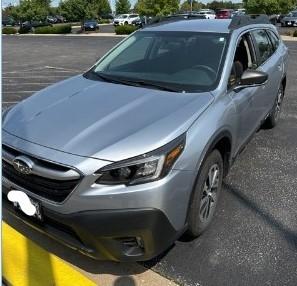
(210, 25)
(193, 25)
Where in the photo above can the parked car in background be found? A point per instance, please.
(290, 20)
(224, 14)
(90, 25)
(51, 19)
(139, 22)
(60, 19)
(29, 26)
(186, 16)
(125, 19)
(240, 11)
(120, 161)
(8, 21)
(208, 14)
(207, 10)
(272, 18)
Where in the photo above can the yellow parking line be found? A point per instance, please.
(26, 264)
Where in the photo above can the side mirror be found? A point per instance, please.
(251, 78)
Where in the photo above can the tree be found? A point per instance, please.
(157, 7)
(262, 7)
(186, 6)
(29, 10)
(216, 5)
(122, 6)
(269, 6)
(103, 7)
(79, 10)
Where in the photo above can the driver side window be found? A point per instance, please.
(244, 59)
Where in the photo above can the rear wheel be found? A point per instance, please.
(206, 194)
(274, 115)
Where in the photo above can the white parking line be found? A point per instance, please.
(61, 68)
(45, 68)
(40, 70)
(35, 76)
(28, 83)
(19, 91)
(8, 102)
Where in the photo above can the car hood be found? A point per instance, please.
(104, 120)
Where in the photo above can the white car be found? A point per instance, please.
(208, 14)
(125, 19)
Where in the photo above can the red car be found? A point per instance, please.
(224, 14)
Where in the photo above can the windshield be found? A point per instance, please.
(293, 14)
(186, 61)
(121, 17)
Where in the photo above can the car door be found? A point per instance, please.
(269, 62)
(278, 59)
(244, 100)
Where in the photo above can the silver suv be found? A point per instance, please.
(122, 160)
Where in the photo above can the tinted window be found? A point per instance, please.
(187, 60)
(135, 53)
(263, 44)
(274, 39)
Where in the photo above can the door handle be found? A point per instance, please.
(279, 67)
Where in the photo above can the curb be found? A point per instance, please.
(289, 38)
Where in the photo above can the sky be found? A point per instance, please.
(112, 2)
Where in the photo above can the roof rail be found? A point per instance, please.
(174, 18)
(244, 20)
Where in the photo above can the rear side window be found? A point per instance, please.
(274, 39)
(263, 45)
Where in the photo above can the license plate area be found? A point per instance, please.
(38, 215)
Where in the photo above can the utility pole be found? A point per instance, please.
(191, 6)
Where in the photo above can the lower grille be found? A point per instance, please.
(55, 190)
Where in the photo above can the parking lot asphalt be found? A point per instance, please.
(253, 238)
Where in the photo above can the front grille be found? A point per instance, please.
(55, 190)
(40, 162)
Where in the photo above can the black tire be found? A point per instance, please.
(204, 201)
(126, 23)
(273, 117)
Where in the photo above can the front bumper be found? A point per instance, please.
(119, 235)
(100, 220)
(292, 23)
(87, 28)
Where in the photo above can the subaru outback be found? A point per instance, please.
(120, 161)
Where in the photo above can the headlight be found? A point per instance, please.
(148, 167)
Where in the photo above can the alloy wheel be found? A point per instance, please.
(209, 193)
(278, 104)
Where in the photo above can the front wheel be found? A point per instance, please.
(274, 115)
(206, 194)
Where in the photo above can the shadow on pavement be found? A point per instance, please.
(289, 235)
(125, 281)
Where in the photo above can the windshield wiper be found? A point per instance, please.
(155, 85)
(134, 82)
